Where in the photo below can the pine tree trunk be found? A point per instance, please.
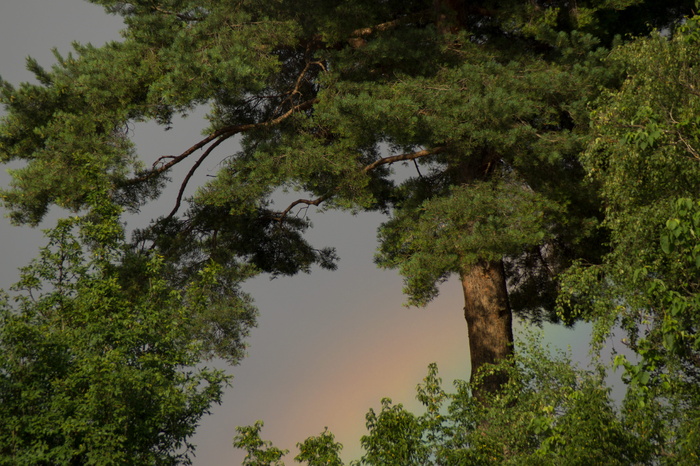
(486, 306)
(489, 320)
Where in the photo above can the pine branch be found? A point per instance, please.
(368, 168)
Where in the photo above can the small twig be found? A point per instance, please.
(303, 209)
(688, 146)
(691, 89)
(297, 85)
(300, 79)
(415, 162)
(161, 159)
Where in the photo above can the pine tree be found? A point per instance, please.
(487, 100)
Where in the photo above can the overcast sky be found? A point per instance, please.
(328, 345)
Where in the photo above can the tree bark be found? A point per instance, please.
(489, 321)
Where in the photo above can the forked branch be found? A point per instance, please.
(308, 202)
(221, 135)
(194, 168)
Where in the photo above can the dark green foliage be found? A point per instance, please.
(481, 221)
(494, 92)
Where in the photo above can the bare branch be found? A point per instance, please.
(308, 202)
(691, 89)
(300, 79)
(415, 163)
(223, 132)
(689, 147)
(401, 157)
(196, 165)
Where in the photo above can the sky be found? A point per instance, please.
(329, 345)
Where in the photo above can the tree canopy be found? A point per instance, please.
(551, 154)
(98, 364)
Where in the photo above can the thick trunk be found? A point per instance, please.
(486, 306)
(489, 320)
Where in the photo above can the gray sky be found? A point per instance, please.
(328, 345)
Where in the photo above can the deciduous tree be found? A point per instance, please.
(98, 360)
(645, 157)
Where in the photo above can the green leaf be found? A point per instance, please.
(666, 244)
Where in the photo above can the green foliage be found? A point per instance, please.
(321, 450)
(669, 348)
(645, 159)
(644, 155)
(549, 413)
(98, 367)
(444, 235)
(491, 102)
(259, 452)
(646, 163)
(319, 101)
(395, 437)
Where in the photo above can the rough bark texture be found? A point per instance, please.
(489, 320)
